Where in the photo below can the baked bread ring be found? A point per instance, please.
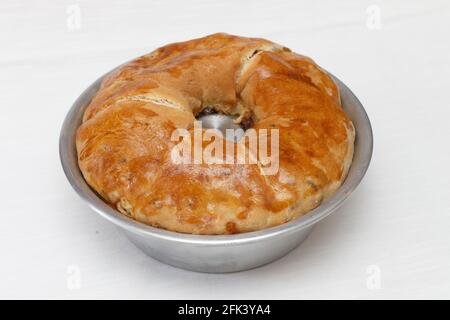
(124, 144)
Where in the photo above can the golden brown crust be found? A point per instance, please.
(124, 142)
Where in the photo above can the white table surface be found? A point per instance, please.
(391, 239)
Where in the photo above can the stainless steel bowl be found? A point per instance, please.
(224, 253)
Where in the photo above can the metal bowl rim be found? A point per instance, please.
(307, 220)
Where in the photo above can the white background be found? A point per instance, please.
(395, 228)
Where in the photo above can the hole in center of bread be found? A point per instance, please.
(222, 122)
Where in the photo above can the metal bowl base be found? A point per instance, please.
(217, 259)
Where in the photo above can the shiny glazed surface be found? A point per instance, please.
(124, 141)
